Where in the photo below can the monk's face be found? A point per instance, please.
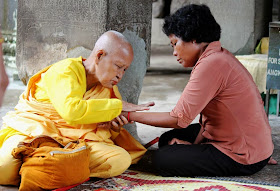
(187, 53)
(111, 66)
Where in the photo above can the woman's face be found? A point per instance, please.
(187, 53)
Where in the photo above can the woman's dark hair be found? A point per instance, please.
(193, 22)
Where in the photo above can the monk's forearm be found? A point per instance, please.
(157, 119)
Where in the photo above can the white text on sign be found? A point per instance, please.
(272, 60)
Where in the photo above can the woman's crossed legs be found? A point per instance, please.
(196, 159)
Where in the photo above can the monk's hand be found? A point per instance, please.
(178, 141)
(118, 122)
(103, 125)
(132, 107)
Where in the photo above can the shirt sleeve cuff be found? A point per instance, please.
(183, 121)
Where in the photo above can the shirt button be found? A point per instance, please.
(180, 115)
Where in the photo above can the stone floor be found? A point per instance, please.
(164, 82)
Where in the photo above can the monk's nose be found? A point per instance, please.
(120, 75)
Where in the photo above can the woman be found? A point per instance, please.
(233, 136)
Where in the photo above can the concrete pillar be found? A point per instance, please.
(48, 30)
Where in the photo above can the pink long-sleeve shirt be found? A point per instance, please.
(233, 116)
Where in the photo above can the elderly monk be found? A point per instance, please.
(67, 101)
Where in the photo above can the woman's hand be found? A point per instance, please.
(178, 141)
(132, 107)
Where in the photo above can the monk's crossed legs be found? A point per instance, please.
(9, 166)
(107, 160)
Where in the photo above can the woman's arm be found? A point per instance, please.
(157, 119)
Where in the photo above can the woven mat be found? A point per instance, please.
(135, 180)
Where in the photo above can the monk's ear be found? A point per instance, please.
(99, 55)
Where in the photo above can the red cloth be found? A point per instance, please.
(69, 187)
(152, 142)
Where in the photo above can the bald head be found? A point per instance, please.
(110, 58)
(113, 41)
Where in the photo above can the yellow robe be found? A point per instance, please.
(56, 103)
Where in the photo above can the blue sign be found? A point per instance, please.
(273, 62)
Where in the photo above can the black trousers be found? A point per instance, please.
(196, 159)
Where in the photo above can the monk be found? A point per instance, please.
(77, 99)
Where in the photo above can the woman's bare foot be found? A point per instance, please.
(272, 161)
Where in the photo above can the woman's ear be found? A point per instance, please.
(99, 55)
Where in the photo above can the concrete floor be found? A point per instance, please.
(163, 84)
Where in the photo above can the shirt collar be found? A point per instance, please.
(211, 48)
